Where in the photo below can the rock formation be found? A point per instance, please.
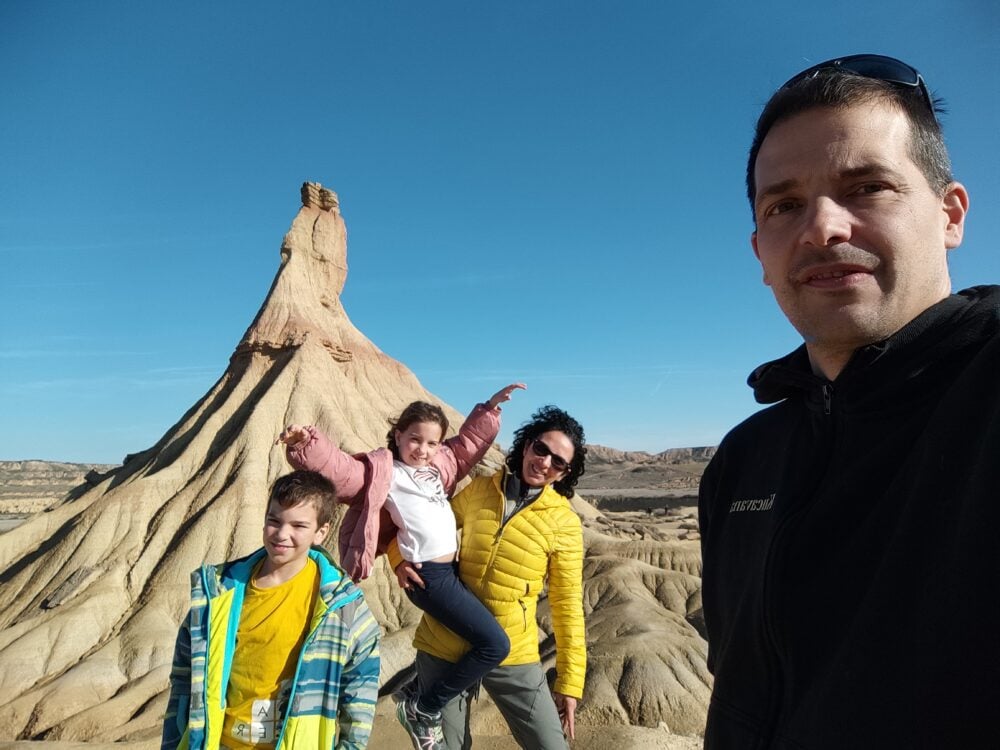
(93, 588)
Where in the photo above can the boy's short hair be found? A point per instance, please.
(305, 487)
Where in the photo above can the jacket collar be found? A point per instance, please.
(936, 341)
(540, 499)
(335, 587)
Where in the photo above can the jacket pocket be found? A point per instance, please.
(728, 728)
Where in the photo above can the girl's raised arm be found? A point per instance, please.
(460, 453)
(306, 447)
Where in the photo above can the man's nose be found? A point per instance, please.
(826, 223)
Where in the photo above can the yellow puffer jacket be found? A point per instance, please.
(506, 569)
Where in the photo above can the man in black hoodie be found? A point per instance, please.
(851, 573)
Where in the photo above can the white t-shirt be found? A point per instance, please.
(420, 508)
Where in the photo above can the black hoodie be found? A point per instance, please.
(851, 566)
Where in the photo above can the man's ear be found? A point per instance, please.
(955, 204)
(756, 254)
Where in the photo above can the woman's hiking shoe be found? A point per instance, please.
(424, 728)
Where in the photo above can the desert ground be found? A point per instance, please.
(639, 496)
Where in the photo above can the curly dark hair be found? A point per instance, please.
(418, 411)
(305, 487)
(838, 88)
(549, 419)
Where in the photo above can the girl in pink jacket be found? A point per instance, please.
(411, 482)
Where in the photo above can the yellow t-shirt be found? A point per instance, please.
(273, 626)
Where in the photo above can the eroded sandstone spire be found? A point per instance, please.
(93, 590)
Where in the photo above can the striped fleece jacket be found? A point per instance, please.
(332, 698)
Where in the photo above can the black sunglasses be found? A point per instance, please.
(879, 67)
(541, 450)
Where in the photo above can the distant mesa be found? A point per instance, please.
(93, 589)
(670, 456)
(30, 486)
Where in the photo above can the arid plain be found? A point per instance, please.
(636, 496)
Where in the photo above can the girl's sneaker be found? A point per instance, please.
(424, 728)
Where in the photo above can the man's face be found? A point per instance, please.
(852, 238)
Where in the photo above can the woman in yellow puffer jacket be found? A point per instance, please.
(519, 532)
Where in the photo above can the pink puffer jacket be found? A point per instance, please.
(363, 482)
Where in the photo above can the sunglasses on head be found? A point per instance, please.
(541, 450)
(879, 67)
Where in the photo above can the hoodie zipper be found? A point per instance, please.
(331, 607)
(784, 529)
(295, 680)
(495, 547)
(206, 623)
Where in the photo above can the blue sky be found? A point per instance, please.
(546, 191)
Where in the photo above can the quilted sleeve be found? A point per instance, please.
(460, 453)
(566, 604)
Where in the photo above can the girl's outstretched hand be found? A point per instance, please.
(293, 435)
(504, 394)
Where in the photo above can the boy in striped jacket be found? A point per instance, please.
(279, 650)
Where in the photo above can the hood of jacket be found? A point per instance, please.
(936, 342)
(334, 587)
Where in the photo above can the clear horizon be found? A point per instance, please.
(549, 193)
